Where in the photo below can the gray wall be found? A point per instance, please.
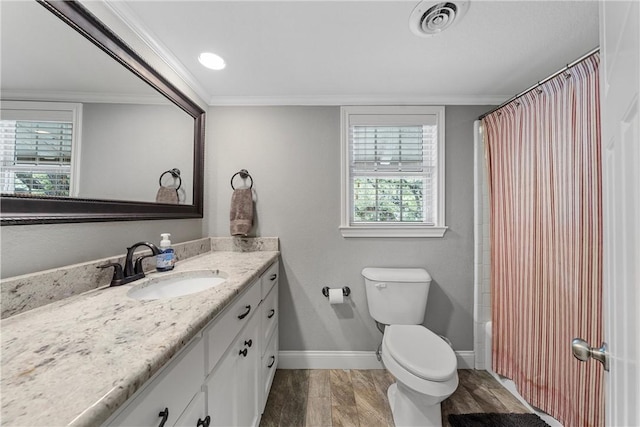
(126, 147)
(293, 155)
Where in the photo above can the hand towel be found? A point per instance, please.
(241, 214)
(167, 195)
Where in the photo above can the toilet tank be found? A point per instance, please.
(397, 296)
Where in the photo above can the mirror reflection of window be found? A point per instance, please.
(39, 142)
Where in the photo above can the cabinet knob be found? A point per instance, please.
(273, 360)
(205, 422)
(271, 313)
(243, 352)
(248, 343)
(273, 277)
(165, 415)
(246, 313)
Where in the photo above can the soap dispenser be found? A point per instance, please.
(167, 257)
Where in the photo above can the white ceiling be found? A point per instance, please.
(44, 59)
(360, 51)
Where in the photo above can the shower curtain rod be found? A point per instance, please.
(540, 83)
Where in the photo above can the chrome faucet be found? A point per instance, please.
(132, 271)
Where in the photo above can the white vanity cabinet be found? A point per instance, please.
(163, 399)
(232, 387)
(223, 376)
(236, 393)
(268, 332)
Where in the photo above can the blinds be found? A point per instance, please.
(36, 157)
(392, 149)
(393, 172)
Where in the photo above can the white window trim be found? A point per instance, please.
(76, 112)
(385, 229)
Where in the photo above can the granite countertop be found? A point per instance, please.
(75, 361)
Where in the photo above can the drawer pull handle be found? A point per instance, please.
(243, 352)
(271, 313)
(165, 415)
(248, 343)
(246, 313)
(273, 360)
(205, 422)
(273, 277)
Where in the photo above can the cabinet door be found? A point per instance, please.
(248, 374)
(195, 415)
(233, 387)
(268, 369)
(221, 391)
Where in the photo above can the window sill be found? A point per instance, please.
(392, 231)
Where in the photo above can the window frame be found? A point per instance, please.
(40, 111)
(387, 229)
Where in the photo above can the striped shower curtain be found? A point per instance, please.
(544, 166)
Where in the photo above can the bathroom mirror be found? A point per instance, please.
(100, 112)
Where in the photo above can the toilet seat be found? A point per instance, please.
(421, 352)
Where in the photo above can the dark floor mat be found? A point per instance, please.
(496, 420)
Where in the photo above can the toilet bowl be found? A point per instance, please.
(423, 363)
(425, 370)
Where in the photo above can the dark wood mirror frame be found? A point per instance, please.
(23, 210)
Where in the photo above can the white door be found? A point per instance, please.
(620, 76)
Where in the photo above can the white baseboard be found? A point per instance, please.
(328, 360)
(348, 360)
(466, 359)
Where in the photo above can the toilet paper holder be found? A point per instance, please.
(345, 291)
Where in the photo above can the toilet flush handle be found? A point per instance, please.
(381, 285)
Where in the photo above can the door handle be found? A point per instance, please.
(582, 351)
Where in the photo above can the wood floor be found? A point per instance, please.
(345, 398)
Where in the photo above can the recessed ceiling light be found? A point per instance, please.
(211, 60)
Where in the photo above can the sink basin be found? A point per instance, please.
(177, 284)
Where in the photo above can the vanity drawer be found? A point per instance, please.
(172, 389)
(270, 278)
(268, 369)
(224, 329)
(269, 312)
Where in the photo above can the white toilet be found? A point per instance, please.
(423, 364)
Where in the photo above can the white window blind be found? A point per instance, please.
(36, 150)
(393, 173)
(36, 157)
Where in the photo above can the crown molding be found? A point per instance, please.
(353, 100)
(84, 97)
(135, 24)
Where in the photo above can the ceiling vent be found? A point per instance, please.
(430, 18)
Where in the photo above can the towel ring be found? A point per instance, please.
(244, 175)
(175, 172)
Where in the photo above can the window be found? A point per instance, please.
(392, 172)
(39, 143)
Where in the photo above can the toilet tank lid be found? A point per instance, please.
(396, 274)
